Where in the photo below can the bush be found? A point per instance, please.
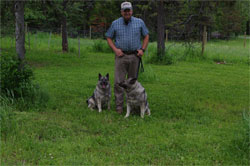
(165, 60)
(14, 78)
(16, 83)
(190, 53)
(101, 46)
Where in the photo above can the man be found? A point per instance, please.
(127, 32)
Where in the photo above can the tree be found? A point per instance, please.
(229, 19)
(64, 27)
(7, 17)
(20, 32)
(160, 29)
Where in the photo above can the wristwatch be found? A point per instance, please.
(143, 49)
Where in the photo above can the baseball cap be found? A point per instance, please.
(126, 5)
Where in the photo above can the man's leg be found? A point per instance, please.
(120, 75)
(133, 66)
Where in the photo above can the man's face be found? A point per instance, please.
(127, 13)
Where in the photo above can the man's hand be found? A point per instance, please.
(118, 52)
(139, 53)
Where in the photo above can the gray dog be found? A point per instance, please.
(136, 96)
(101, 95)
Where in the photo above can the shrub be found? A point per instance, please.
(173, 54)
(73, 50)
(14, 78)
(101, 46)
(16, 83)
(192, 53)
(155, 59)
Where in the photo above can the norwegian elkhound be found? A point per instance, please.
(136, 96)
(101, 95)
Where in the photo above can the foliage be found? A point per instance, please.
(183, 18)
(14, 78)
(16, 83)
(229, 20)
(101, 46)
(7, 17)
(188, 52)
(165, 60)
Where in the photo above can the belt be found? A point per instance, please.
(130, 52)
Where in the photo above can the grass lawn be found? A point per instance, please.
(196, 117)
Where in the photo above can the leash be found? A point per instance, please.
(140, 65)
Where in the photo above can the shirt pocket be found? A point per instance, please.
(120, 31)
(136, 30)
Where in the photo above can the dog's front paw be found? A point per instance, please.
(126, 116)
(142, 114)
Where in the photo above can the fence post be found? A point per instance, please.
(26, 28)
(166, 36)
(35, 39)
(203, 40)
(245, 38)
(49, 39)
(28, 36)
(206, 38)
(78, 46)
(27, 33)
(14, 41)
(90, 31)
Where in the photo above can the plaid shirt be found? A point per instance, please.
(127, 37)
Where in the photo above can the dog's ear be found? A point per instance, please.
(132, 81)
(107, 75)
(100, 76)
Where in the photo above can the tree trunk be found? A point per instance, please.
(160, 30)
(20, 30)
(247, 28)
(204, 39)
(64, 28)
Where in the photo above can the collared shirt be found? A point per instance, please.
(127, 37)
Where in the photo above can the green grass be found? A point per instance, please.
(231, 51)
(197, 111)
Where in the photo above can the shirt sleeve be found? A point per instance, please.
(144, 29)
(111, 31)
